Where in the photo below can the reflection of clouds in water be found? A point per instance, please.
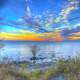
(68, 49)
(62, 49)
(16, 49)
(47, 49)
(25, 50)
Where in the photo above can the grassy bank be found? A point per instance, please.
(70, 69)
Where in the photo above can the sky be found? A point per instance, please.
(40, 20)
(37, 7)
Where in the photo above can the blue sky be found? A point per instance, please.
(13, 9)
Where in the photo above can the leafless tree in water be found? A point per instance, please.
(34, 50)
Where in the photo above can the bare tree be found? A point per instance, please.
(34, 50)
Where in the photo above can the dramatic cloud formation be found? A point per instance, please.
(29, 24)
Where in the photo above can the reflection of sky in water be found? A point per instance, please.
(12, 49)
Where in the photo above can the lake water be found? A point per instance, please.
(60, 77)
(14, 49)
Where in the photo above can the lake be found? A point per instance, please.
(14, 49)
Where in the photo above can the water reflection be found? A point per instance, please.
(60, 77)
(47, 49)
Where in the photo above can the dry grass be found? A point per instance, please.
(68, 68)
